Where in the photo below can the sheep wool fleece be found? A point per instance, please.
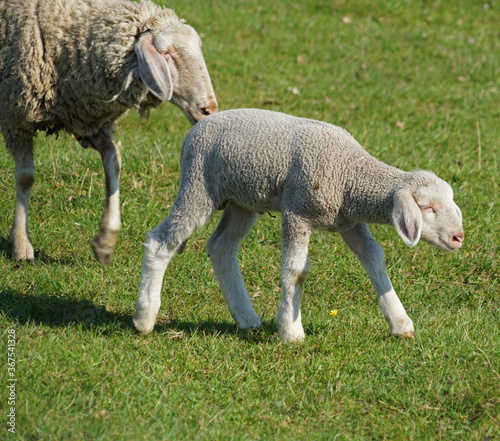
(62, 62)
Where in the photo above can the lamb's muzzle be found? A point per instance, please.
(458, 239)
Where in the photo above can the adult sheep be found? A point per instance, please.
(250, 161)
(79, 65)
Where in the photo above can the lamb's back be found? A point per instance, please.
(268, 160)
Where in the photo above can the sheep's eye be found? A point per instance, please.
(428, 208)
(169, 56)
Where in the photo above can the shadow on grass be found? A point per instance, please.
(58, 311)
(62, 311)
(5, 247)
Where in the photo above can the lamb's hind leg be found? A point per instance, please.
(371, 256)
(104, 243)
(22, 152)
(161, 244)
(222, 249)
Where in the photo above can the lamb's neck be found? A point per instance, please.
(371, 196)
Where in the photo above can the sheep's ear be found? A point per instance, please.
(406, 217)
(153, 68)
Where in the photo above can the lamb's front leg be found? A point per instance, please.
(161, 244)
(371, 256)
(154, 264)
(294, 270)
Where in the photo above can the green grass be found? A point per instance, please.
(417, 84)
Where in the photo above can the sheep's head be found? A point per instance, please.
(172, 66)
(428, 212)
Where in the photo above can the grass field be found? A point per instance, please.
(416, 83)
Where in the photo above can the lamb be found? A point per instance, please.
(79, 65)
(250, 161)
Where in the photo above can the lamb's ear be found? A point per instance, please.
(153, 68)
(406, 217)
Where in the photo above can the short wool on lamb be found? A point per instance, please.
(250, 161)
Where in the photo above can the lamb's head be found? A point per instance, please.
(172, 66)
(424, 209)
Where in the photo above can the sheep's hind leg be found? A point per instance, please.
(294, 269)
(161, 244)
(104, 243)
(22, 153)
(370, 254)
(222, 249)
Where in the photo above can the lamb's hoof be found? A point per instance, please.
(402, 327)
(292, 334)
(408, 334)
(252, 321)
(143, 327)
(406, 331)
(102, 254)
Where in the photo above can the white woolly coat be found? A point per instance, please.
(247, 161)
(313, 169)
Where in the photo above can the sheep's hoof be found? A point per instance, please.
(23, 252)
(101, 253)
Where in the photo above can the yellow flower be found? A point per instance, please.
(333, 312)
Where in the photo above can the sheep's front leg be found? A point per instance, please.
(294, 269)
(222, 249)
(104, 243)
(371, 256)
(22, 153)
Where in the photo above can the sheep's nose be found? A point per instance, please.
(208, 110)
